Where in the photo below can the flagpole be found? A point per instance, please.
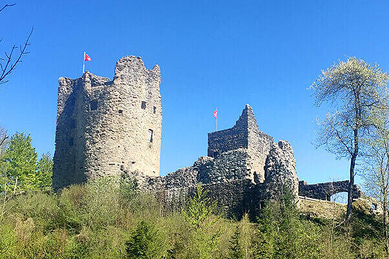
(83, 64)
(216, 121)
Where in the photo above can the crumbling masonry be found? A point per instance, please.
(114, 128)
(105, 127)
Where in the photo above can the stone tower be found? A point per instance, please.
(107, 127)
(247, 137)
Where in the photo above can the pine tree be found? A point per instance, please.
(143, 242)
(198, 214)
(235, 247)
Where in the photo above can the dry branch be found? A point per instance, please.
(8, 64)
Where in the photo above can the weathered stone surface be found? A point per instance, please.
(244, 135)
(324, 191)
(105, 127)
(235, 198)
(280, 171)
(228, 176)
(227, 167)
(184, 177)
(113, 128)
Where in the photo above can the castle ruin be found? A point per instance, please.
(113, 128)
(105, 127)
(244, 135)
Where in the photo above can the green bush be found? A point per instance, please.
(8, 241)
(144, 242)
(108, 218)
(284, 234)
(41, 207)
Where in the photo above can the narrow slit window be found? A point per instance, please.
(150, 135)
(93, 105)
(154, 109)
(143, 105)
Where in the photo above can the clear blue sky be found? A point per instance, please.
(220, 54)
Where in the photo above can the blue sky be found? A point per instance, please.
(220, 54)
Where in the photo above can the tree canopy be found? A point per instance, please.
(20, 167)
(354, 91)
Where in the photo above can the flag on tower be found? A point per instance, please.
(215, 114)
(86, 57)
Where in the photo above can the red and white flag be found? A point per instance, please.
(215, 114)
(86, 57)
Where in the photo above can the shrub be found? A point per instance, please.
(143, 242)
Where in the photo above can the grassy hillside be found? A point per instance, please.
(109, 219)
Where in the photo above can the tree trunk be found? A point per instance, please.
(350, 187)
(386, 222)
(352, 174)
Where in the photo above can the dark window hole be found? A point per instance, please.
(93, 105)
(150, 135)
(143, 105)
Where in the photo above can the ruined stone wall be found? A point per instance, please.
(228, 166)
(234, 198)
(245, 134)
(259, 145)
(226, 140)
(228, 181)
(324, 191)
(105, 127)
(69, 158)
(280, 171)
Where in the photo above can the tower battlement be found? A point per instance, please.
(105, 127)
(246, 135)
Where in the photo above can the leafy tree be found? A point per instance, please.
(44, 175)
(19, 161)
(377, 162)
(353, 89)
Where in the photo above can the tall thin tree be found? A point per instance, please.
(352, 90)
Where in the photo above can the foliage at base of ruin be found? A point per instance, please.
(101, 220)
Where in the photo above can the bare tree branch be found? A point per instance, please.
(10, 62)
(5, 6)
